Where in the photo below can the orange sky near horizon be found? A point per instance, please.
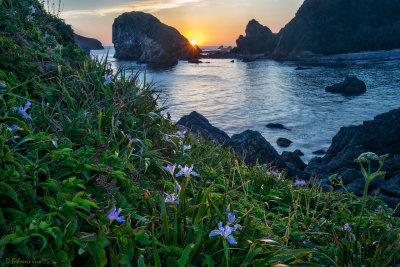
(210, 23)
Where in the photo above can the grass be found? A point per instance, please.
(87, 148)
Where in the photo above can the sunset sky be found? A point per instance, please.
(209, 22)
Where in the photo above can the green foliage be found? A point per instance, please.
(87, 148)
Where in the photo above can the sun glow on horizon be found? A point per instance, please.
(194, 42)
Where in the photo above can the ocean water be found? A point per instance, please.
(239, 96)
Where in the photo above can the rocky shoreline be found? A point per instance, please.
(380, 135)
(306, 59)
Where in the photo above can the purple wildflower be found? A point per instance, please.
(173, 198)
(232, 218)
(29, 18)
(166, 138)
(181, 134)
(177, 186)
(108, 80)
(22, 110)
(32, 9)
(131, 140)
(225, 232)
(346, 227)
(170, 169)
(13, 127)
(114, 215)
(186, 171)
(187, 147)
(300, 183)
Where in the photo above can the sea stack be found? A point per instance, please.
(258, 39)
(86, 43)
(142, 37)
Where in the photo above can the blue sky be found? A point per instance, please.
(206, 21)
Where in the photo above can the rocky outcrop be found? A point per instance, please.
(276, 126)
(351, 85)
(250, 145)
(283, 142)
(381, 136)
(342, 26)
(326, 27)
(253, 147)
(142, 37)
(319, 152)
(87, 44)
(294, 165)
(258, 39)
(199, 125)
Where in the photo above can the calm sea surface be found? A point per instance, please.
(239, 96)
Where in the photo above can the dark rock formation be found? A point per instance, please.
(303, 68)
(381, 136)
(198, 124)
(294, 159)
(276, 126)
(87, 44)
(319, 152)
(195, 61)
(250, 144)
(254, 147)
(351, 85)
(258, 39)
(294, 165)
(298, 152)
(283, 142)
(342, 26)
(140, 36)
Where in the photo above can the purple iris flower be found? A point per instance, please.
(32, 9)
(166, 138)
(346, 227)
(177, 186)
(108, 80)
(131, 140)
(22, 110)
(173, 198)
(231, 216)
(170, 169)
(114, 215)
(225, 232)
(300, 183)
(186, 171)
(13, 127)
(181, 134)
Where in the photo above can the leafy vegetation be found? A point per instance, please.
(88, 179)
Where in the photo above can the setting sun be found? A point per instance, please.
(194, 42)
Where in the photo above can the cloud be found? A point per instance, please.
(143, 5)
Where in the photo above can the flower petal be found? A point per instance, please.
(231, 239)
(120, 219)
(231, 218)
(214, 233)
